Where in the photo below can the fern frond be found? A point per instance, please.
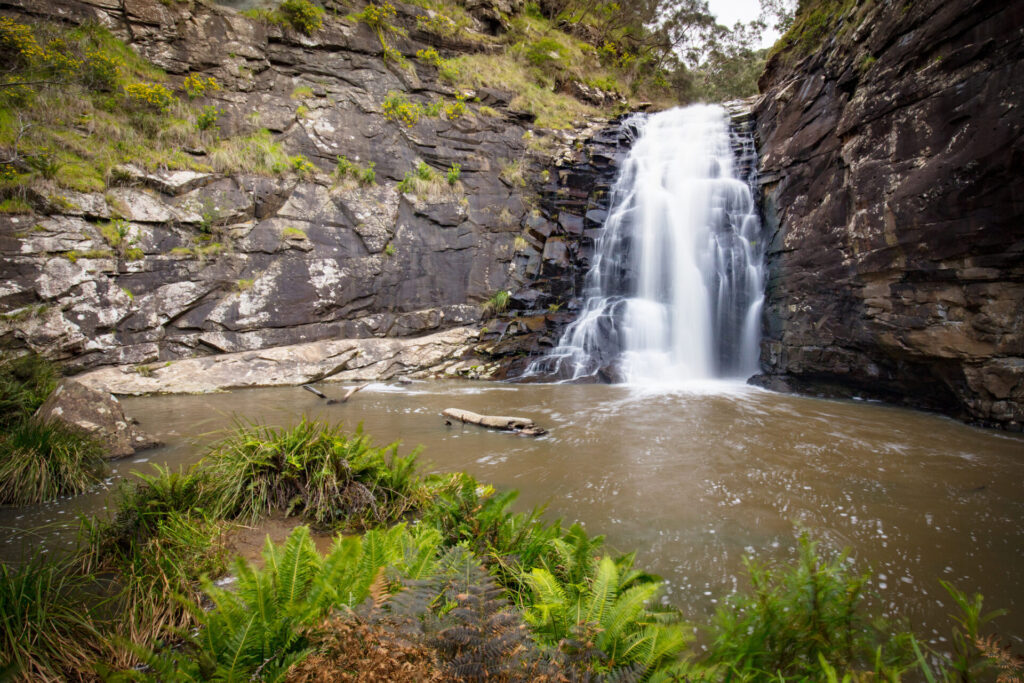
(602, 593)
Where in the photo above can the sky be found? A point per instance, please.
(731, 11)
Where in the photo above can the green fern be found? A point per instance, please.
(612, 611)
(260, 627)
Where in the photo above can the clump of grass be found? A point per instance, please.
(454, 173)
(158, 544)
(312, 469)
(350, 170)
(514, 173)
(43, 460)
(25, 382)
(256, 153)
(291, 233)
(498, 303)
(428, 184)
(46, 632)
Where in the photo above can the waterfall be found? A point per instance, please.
(675, 290)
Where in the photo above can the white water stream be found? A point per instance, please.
(675, 290)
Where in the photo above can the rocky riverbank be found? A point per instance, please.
(892, 160)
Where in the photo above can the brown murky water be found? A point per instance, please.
(691, 480)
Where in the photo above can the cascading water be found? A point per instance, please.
(676, 287)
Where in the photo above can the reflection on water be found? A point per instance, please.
(692, 480)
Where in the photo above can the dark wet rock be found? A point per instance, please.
(248, 262)
(891, 171)
(97, 413)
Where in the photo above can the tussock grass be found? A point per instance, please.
(504, 71)
(41, 461)
(46, 632)
(158, 544)
(256, 153)
(25, 382)
(315, 470)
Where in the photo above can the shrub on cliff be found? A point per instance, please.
(302, 15)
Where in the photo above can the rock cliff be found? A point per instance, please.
(236, 262)
(892, 174)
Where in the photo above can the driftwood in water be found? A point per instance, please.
(519, 425)
(332, 401)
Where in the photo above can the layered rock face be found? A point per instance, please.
(287, 259)
(892, 173)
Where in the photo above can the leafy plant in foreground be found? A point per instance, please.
(794, 620)
(158, 545)
(608, 620)
(45, 630)
(259, 628)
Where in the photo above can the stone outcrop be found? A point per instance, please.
(210, 264)
(892, 172)
(447, 353)
(93, 410)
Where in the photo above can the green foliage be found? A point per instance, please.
(364, 175)
(40, 461)
(46, 632)
(547, 52)
(498, 303)
(15, 205)
(290, 233)
(302, 15)
(257, 153)
(423, 171)
(159, 542)
(25, 382)
(454, 173)
(152, 96)
(260, 626)
(968, 663)
(198, 86)
(378, 18)
(612, 611)
(399, 109)
(301, 165)
(429, 56)
(313, 469)
(813, 22)
(207, 118)
(794, 620)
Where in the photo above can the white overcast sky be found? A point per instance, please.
(731, 11)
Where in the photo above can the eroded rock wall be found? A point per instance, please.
(299, 259)
(892, 172)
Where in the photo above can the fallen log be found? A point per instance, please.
(331, 401)
(519, 425)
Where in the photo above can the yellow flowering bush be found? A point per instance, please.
(303, 15)
(101, 71)
(429, 56)
(197, 86)
(399, 109)
(18, 43)
(149, 96)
